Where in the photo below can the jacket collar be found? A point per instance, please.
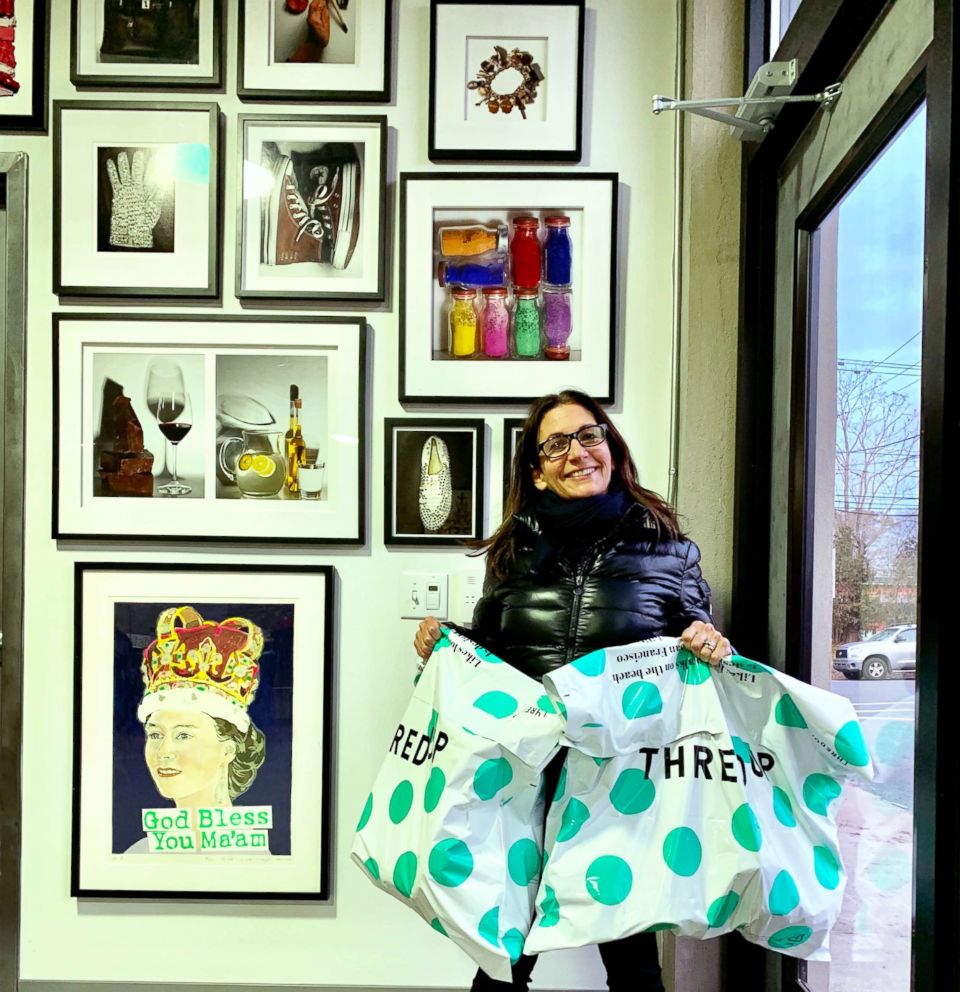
(636, 515)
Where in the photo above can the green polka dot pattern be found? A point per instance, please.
(787, 714)
(632, 792)
(450, 862)
(513, 942)
(493, 775)
(657, 927)
(784, 897)
(496, 703)
(692, 670)
(575, 815)
(438, 926)
(432, 726)
(826, 867)
(489, 926)
(561, 785)
(443, 641)
(405, 873)
(682, 851)
(721, 909)
(401, 801)
(641, 699)
(591, 664)
(746, 828)
(549, 908)
(365, 815)
(609, 880)
(741, 748)
(746, 665)
(434, 789)
(546, 704)
(851, 746)
(819, 791)
(523, 861)
(373, 868)
(789, 937)
(783, 808)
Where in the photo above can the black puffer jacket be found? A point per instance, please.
(626, 587)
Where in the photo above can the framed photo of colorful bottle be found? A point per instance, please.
(311, 214)
(315, 51)
(508, 285)
(24, 66)
(433, 481)
(209, 428)
(203, 731)
(506, 81)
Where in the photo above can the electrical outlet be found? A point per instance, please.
(466, 587)
(423, 594)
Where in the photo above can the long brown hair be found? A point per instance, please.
(501, 545)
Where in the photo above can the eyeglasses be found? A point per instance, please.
(557, 446)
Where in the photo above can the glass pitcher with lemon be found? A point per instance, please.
(254, 462)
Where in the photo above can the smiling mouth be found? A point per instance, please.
(167, 772)
(582, 473)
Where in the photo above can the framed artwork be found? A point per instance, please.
(146, 44)
(24, 74)
(312, 214)
(136, 199)
(433, 481)
(202, 731)
(209, 428)
(506, 81)
(315, 50)
(512, 426)
(508, 285)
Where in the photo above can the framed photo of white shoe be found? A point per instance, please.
(317, 51)
(433, 481)
(508, 285)
(311, 217)
(136, 200)
(146, 44)
(209, 428)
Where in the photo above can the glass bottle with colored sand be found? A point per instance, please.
(525, 253)
(463, 322)
(526, 324)
(557, 322)
(558, 251)
(494, 322)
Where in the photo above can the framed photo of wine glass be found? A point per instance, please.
(315, 50)
(209, 428)
(24, 66)
(508, 286)
(146, 44)
(506, 81)
(137, 202)
(433, 481)
(202, 739)
(312, 212)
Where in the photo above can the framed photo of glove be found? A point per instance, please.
(137, 201)
(312, 210)
(24, 75)
(508, 285)
(331, 51)
(506, 81)
(433, 481)
(202, 736)
(211, 428)
(146, 44)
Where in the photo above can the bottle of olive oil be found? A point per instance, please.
(294, 445)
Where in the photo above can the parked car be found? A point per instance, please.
(889, 652)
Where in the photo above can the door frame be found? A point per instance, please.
(825, 35)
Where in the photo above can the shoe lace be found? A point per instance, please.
(306, 224)
(325, 189)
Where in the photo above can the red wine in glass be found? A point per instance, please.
(174, 418)
(175, 431)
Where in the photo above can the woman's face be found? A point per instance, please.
(581, 471)
(184, 754)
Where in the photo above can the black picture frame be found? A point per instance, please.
(428, 200)
(319, 283)
(265, 81)
(292, 606)
(203, 120)
(404, 437)
(147, 77)
(511, 435)
(452, 134)
(26, 111)
(91, 351)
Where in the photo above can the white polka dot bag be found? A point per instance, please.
(695, 799)
(453, 826)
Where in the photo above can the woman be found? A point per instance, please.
(585, 558)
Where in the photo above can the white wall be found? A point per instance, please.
(362, 937)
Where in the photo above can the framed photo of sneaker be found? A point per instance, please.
(508, 285)
(24, 66)
(312, 208)
(147, 44)
(136, 200)
(506, 81)
(433, 481)
(210, 428)
(315, 51)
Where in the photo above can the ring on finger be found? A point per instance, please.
(710, 646)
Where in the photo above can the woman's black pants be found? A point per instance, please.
(632, 966)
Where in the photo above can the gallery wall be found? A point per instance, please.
(360, 937)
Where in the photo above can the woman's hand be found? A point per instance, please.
(706, 642)
(428, 633)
